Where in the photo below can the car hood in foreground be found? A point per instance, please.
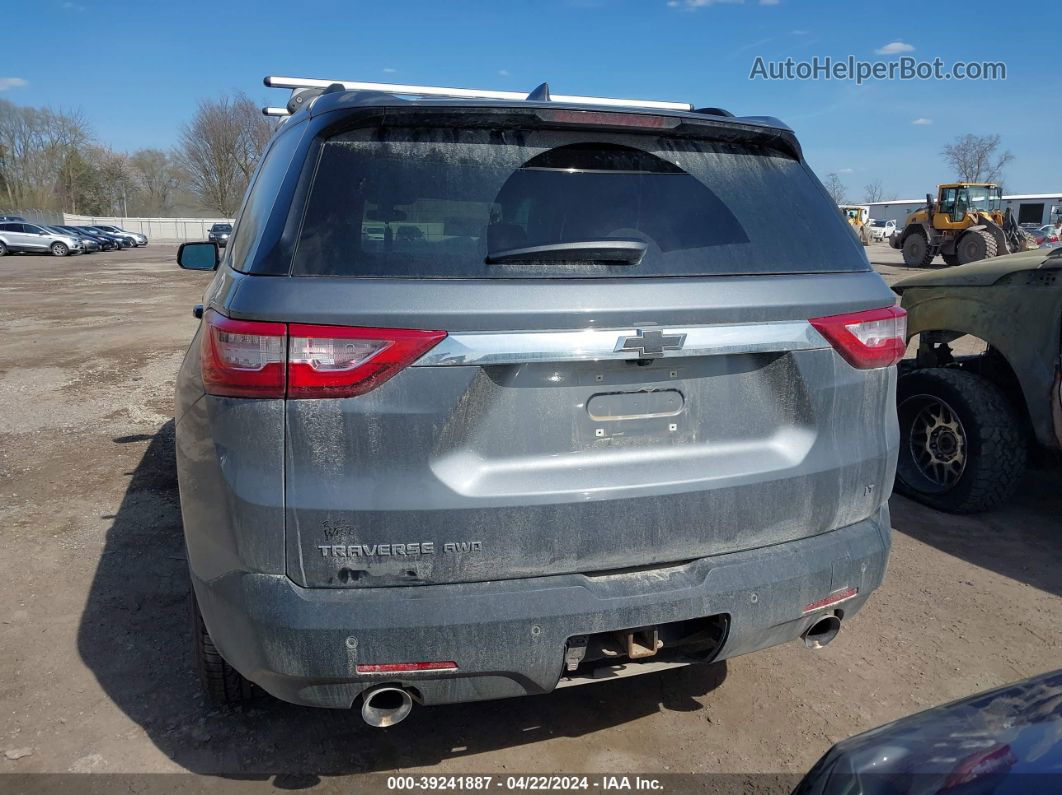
(1002, 741)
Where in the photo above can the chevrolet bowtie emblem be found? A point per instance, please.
(651, 343)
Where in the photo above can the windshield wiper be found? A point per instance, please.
(623, 252)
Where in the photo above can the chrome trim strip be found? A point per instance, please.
(524, 347)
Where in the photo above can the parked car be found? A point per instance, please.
(219, 233)
(11, 218)
(545, 445)
(89, 244)
(137, 238)
(121, 241)
(882, 230)
(968, 422)
(1002, 741)
(105, 243)
(1048, 233)
(18, 237)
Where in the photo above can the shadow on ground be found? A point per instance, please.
(134, 635)
(1022, 540)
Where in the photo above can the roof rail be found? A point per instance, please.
(541, 93)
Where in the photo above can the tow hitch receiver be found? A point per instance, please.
(639, 643)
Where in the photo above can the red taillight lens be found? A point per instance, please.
(332, 361)
(876, 338)
(835, 598)
(243, 358)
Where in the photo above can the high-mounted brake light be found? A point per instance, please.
(608, 119)
(875, 338)
(243, 358)
(333, 361)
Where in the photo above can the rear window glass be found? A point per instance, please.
(441, 202)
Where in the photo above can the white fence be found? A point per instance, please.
(158, 230)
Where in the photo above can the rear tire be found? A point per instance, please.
(975, 246)
(221, 682)
(60, 249)
(951, 259)
(962, 446)
(3, 250)
(916, 251)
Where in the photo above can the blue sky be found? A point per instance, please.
(136, 69)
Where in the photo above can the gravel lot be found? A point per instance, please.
(95, 668)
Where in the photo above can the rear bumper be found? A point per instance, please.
(508, 637)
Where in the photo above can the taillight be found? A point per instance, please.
(876, 338)
(332, 361)
(243, 358)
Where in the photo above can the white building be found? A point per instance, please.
(1030, 208)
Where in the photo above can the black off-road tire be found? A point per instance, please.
(220, 681)
(951, 259)
(995, 442)
(975, 246)
(917, 253)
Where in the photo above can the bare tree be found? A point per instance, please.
(156, 176)
(838, 192)
(220, 148)
(973, 158)
(873, 192)
(36, 148)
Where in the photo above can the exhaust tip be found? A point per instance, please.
(385, 706)
(822, 632)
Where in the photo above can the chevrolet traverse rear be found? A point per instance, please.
(494, 395)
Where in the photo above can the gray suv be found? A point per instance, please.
(18, 237)
(498, 395)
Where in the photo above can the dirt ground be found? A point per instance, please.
(95, 672)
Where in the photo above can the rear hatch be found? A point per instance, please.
(584, 413)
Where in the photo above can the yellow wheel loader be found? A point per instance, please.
(858, 216)
(964, 224)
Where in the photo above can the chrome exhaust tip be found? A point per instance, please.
(385, 706)
(822, 632)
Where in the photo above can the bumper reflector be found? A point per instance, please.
(842, 595)
(405, 668)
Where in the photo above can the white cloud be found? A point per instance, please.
(504, 72)
(894, 48)
(694, 4)
(846, 171)
(799, 32)
(922, 121)
(770, 2)
(12, 82)
(388, 70)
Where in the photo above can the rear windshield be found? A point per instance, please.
(439, 202)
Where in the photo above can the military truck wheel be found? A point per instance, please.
(975, 246)
(916, 251)
(962, 446)
(220, 681)
(950, 259)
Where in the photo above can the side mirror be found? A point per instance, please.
(198, 256)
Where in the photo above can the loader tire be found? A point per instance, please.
(222, 683)
(975, 246)
(916, 251)
(950, 259)
(962, 446)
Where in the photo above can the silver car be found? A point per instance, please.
(591, 418)
(17, 237)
